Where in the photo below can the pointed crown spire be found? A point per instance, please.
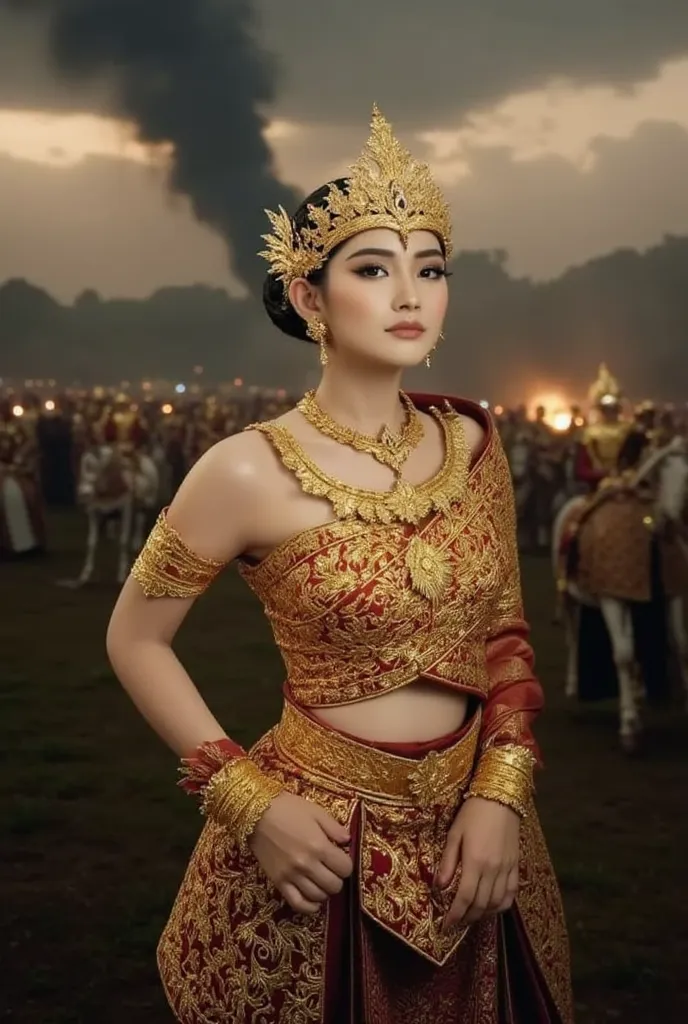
(385, 188)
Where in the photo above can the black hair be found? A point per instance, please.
(277, 304)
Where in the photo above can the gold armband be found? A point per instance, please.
(238, 795)
(505, 774)
(166, 567)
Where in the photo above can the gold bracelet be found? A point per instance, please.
(505, 774)
(238, 795)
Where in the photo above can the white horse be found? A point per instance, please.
(669, 467)
(123, 486)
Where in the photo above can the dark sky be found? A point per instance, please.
(561, 131)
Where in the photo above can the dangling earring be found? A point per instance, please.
(439, 339)
(317, 331)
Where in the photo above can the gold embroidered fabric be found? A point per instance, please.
(360, 607)
(233, 949)
(371, 772)
(167, 567)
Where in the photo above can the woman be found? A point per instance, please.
(362, 862)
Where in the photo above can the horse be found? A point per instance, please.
(120, 486)
(519, 451)
(667, 470)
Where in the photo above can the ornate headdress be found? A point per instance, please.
(385, 188)
(605, 390)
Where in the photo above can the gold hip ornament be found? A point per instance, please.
(388, 448)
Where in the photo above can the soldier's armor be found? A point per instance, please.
(603, 442)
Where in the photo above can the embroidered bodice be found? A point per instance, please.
(368, 603)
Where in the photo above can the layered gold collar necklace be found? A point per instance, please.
(388, 448)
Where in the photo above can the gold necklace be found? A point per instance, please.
(390, 449)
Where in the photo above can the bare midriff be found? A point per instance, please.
(416, 713)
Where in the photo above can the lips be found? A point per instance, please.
(407, 329)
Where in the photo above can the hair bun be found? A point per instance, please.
(281, 312)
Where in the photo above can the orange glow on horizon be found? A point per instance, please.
(557, 409)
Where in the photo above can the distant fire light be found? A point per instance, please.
(50, 405)
(17, 410)
(555, 405)
(561, 421)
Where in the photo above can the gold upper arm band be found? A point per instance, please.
(166, 567)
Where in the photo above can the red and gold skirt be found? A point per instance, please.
(234, 952)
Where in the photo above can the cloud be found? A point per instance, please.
(109, 223)
(104, 223)
(423, 64)
(550, 214)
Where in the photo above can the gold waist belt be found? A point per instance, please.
(342, 765)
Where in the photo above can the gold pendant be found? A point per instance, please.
(429, 569)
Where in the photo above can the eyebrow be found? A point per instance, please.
(388, 252)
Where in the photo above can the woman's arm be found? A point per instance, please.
(219, 512)
(204, 529)
(508, 749)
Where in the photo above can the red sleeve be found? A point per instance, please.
(198, 769)
(515, 696)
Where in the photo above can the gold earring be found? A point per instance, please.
(317, 331)
(439, 339)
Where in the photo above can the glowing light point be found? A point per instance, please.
(180, 389)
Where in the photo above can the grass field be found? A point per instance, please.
(94, 835)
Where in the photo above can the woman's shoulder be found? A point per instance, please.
(477, 422)
(220, 501)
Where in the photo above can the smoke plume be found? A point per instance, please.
(191, 74)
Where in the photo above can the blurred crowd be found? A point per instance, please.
(46, 433)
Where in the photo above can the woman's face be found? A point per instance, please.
(384, 302)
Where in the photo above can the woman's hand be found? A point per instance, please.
(298, 845)
(484, 839)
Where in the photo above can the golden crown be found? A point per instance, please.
(605, 387)
(385, 188)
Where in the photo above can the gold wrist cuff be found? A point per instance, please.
(167, 567)
(505, 774)
(238, 795)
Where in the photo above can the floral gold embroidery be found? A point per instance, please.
(429, 568)
(233, 950)
(351, 621)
